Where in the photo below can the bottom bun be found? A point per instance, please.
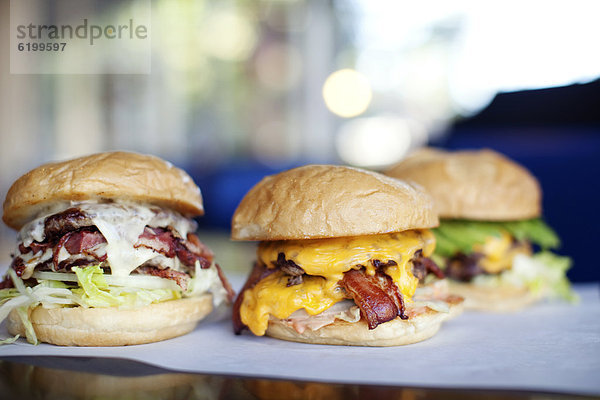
(503, 298)
(79, 326)
(397, 332)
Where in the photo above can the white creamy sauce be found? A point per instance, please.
(63, 254)
(31, 260)
(121, 224)
(166, 262)
(207, 280)
(33, 231)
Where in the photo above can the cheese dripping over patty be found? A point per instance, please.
(325, 261)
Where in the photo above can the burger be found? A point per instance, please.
(106, 253)
(342, 259)
(492, 242)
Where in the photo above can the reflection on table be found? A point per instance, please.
(90, 378)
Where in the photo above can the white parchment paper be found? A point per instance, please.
(549, 347)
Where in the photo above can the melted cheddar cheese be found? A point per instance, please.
(325, 261)
(499, 252)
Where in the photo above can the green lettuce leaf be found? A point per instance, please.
(95, 292)
(453, 236)
(9, 340)
(91, 280)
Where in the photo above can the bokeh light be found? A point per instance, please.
(347, 93)
(378, 141)
(229, 35)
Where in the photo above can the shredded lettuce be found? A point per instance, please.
(544, 274)
(23, 313)
(132, 281)
(91, 280)
(23, 298)
(95, 292)
(453, 236)
(7, 294)
(10, 340)
(89, 287)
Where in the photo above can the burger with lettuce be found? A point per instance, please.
(106, 253)
(492, 241)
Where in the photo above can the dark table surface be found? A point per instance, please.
(110, 378)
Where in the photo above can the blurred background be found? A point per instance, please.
(239, 89)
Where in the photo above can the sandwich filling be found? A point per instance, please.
(111, 254)
(502, 253)
(374, 277)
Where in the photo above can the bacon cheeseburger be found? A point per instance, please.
(107, 253)
(342, 252)
(490, 211)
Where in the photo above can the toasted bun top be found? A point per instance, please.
(114, 175)
(481, 185)
(322, 201)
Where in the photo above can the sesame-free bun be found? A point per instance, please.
(322, 201)
(79, 326)
(501, 299)
(479, 185)
(397, 332)
(113, 175)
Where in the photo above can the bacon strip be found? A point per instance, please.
(197, 247)
(18, 265)
(386, 283)
(226, 284)
(57, 248)
(375, 296)
(34, 247)
(159, 240)
(74, 231)
(181, 278)
(188, 258)
(79, 242)
(259, 272)
(165, 242)
(84, 241)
